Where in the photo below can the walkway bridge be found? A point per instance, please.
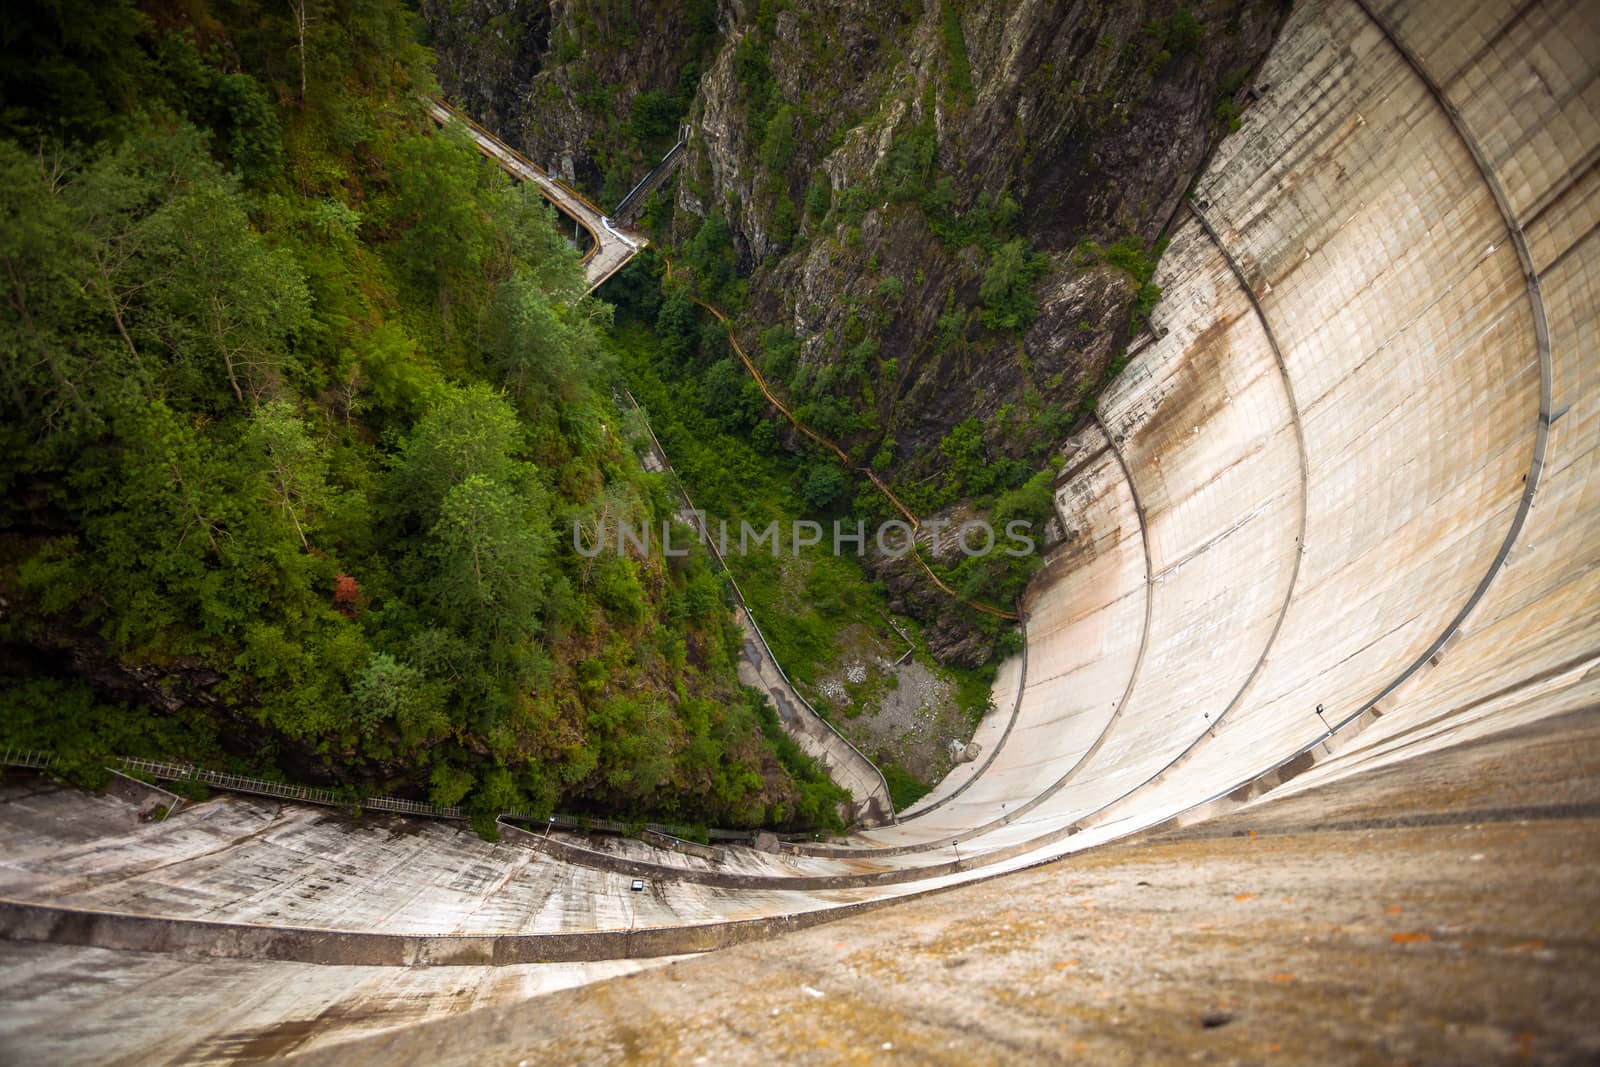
(629, 208)
(1332, 533)
(613, 246)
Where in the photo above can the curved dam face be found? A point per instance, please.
(1352, 479)
(1341, 511)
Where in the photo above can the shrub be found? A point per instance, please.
(1227, 113)
(778, 143)
(1007, 286)
(655, 115)
(890, 289)
(824, 485)
(958, 68)
(819, 196)
(905, 789)
(910, 162)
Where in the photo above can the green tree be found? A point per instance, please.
(387, 689)
(732, 397)
(824, 484)
(450, 784)
(49, 351)
(655, 116)
(254, 141)
(445, 235)
(638, 739)
(677, 325)
(70, 69)
(543, 350)
(819, 196)
(290, 464)
(963, 447)
(1006, 289)
(778, 144)
(492, 552)
(470, 432)
(229, 302)
(538, 240)
(710, 254)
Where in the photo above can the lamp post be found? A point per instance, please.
(1324, 721)
(633, 909)
(956, 844)
(549, 826)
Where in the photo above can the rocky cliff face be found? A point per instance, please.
(1069, 123)
(591, 90)
(941, 217)
(921, 192)
(486, 48)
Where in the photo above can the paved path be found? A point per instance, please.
(613, 247)
(759, 668)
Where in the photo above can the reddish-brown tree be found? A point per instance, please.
(347, 596)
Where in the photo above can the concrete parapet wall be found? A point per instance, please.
(23, 921)
(678, 844)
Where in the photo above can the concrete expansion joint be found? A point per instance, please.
(1541, 337)
(1188, 753)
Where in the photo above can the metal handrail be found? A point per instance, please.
(667, 161)
(705, 536)
(36, 759)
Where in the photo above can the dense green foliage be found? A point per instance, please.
(1132, 255)
(958, 68)
(302, 402)
(716, 427)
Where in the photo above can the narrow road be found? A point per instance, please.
(758, 667)
(613, 247)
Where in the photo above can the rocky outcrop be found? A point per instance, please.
(1085, 122)
(562, 79)
(869, 158)
(176, 686)
(484, 49)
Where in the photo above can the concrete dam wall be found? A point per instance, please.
(1342, 512)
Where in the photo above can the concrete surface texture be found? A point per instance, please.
(1330, 539)
(1466, 935)
(87, 1005)
(1319, 928)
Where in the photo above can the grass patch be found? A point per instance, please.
(905, 789)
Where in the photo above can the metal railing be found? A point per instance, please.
(651, 181)
(739, 597)
(36, 759)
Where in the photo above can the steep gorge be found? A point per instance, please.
(918, 199)
(935, 224)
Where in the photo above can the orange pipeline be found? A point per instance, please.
(916, 523)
